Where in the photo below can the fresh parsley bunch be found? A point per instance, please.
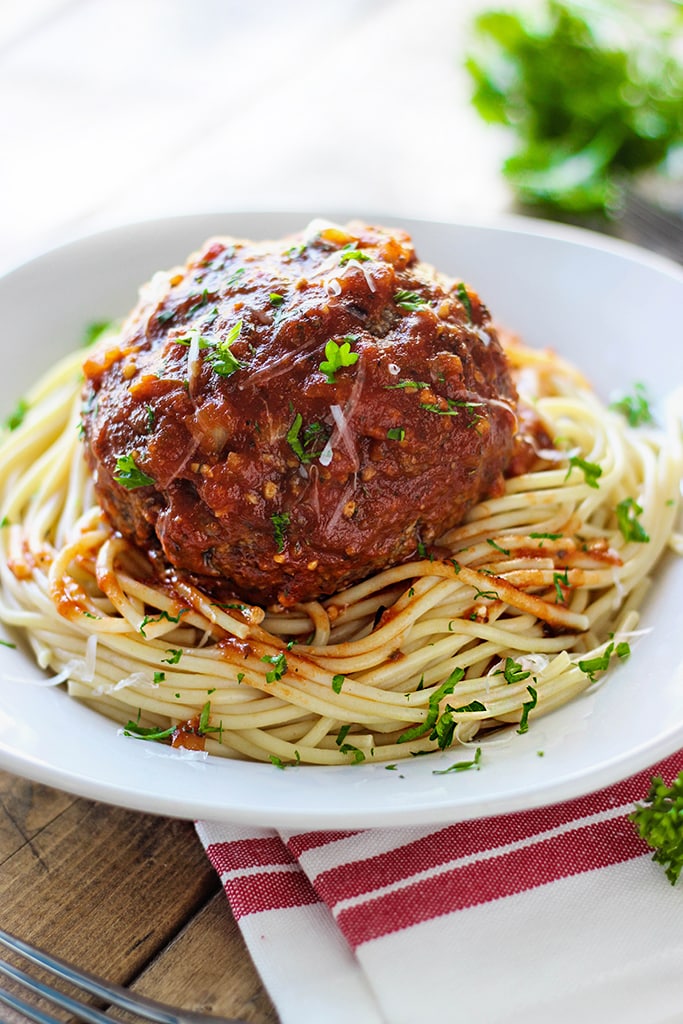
(660, 823)
(593, 93)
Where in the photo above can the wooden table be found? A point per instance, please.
(126, 895)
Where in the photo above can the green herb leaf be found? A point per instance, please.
(279, 663)
(631, 529)
(348, 748)
(600, 663)
(408, 300)
(416, 385)
(462, 294)
(635, 408)
(141, 732)
(338, 356)
(129, 475)
(396, 434)
(528, 706)
(513, 671)
(349, 252)
(587, 107)
(337, 683)
(591, 470)
(280, 521)
(220, 358)
(163, 615)
(560, 579)
(16, 418)
(658, 821)
(446, 688)
(461, 766)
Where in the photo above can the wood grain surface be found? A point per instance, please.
(129, 896)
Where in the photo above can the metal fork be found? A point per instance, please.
(111, 995)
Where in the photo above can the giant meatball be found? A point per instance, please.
(286, 418)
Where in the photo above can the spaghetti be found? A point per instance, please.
(512, 614)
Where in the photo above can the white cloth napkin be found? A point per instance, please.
(554, 914)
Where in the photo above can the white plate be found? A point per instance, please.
(613, 309)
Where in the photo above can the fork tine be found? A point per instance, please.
(109, 993)
(85, 1013)
(30, 1012)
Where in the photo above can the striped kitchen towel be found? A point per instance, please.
(556, 913)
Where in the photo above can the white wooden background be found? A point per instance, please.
(118, 110)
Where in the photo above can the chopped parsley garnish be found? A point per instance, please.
(129, 474)
(338, 356)
(635, 408)
(16, 418)
(475, 705)
(464, 298)
(174, 655)
(348, 748)
(304, 445)
(342, 734)
(235, 276)
(545, 536)
(276, 299)
(527, 706)
(337, 683)
(461, 766)
(163, 615)
(220, 358)
(591, 470)
(349, 252)
(429, 724)
(600, 663)
(279, 663)
(280, 521)
(513, 671)
(396, 434)
(8, 643)
(560, 580)
(418, 385)
(279, 763)
(201, 301)
(453, 407)
(503, 551)
(631, 529)
(408, 300)
(141, 732)
(159, 677)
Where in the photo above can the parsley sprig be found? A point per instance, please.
(221, 360)
(338, 356)
(408, 300)
(129, 474)
(634, 408)
(659, 821)
(630, 527)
